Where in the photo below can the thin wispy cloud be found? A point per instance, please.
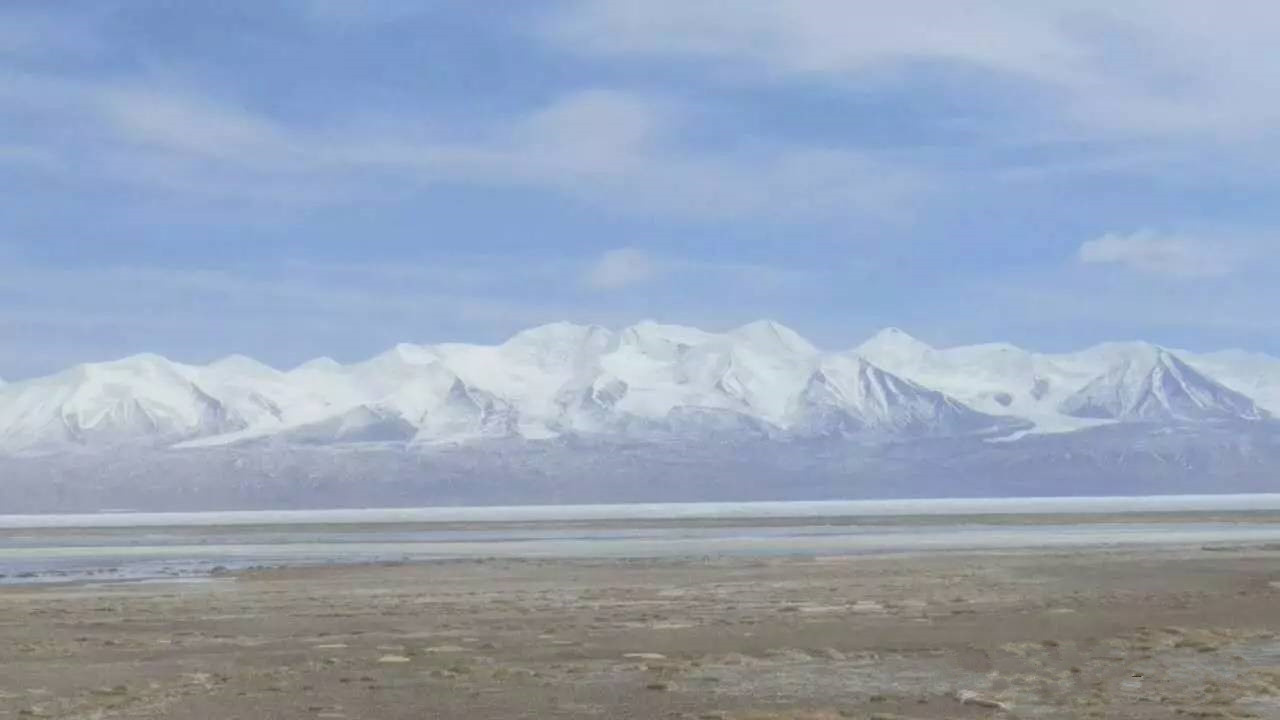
(1133, 67)
(424, 170)
(618, 149)
(620, 268)
(1162, 254)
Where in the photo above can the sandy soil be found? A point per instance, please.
(1106, 634)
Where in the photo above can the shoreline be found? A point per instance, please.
(753, 510)
(60, 555)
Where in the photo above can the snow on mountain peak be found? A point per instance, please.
(361, 424)
(241, 365)
(893, 334)
(139, 399)
(892, 347)
(1104, 357)
(1150, 383)
(467, 413)
(849, 394)
(557, 333)
(1253, 374)
(318, 365)
(771, 336)
(592, 407)
(559, 347)
(408, 353)
(660, 339)
(760, 378)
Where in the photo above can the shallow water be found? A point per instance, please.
(147, 552)
(666, 511)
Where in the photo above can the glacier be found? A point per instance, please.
(547, 413)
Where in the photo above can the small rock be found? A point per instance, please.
(969, 697)
(117, 690)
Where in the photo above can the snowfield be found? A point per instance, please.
(568, 413)
(647, 380)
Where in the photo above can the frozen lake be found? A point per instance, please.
(665, 511)
(122, 546)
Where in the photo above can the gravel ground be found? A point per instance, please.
(1100, 633)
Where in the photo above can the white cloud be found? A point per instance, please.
(1135, 67)
(628, 151)
(621, 268)
(1162, 254)
(187, 123)
(819, 37)
(624, 150)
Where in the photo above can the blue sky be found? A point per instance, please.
(327, 177)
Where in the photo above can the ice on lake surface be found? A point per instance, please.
(120, 546)
(670, 511)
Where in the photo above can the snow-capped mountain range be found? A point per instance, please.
(564, 380)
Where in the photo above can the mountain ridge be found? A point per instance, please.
(647, 379)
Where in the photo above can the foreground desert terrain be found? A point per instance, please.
(1099, 633)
